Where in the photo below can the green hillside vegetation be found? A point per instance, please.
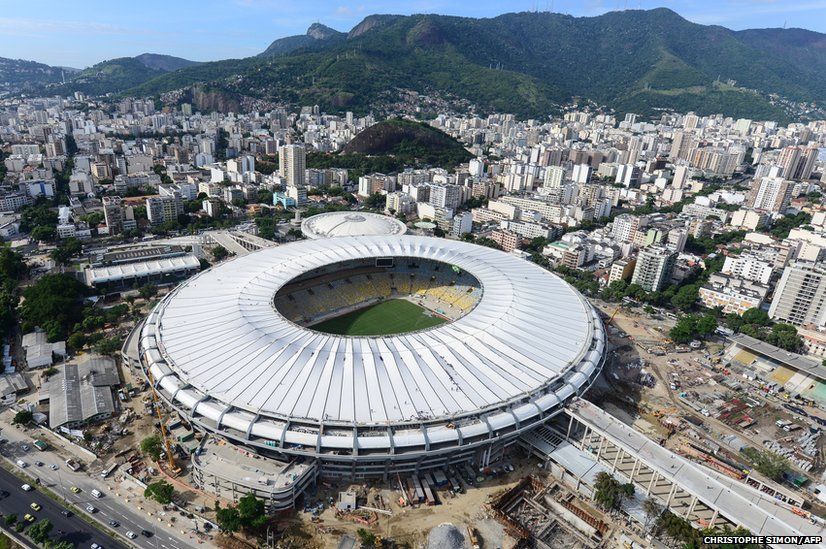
(524, 63)
(391, 146)
(116, 75)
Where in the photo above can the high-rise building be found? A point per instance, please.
(113, 214)
(800, 296)
(582, 173)
(654, 267)
(621, 269)
(445, 196)
(796, 162)
(677, 238)
(163, 209)
(292, 164)
(770, 193)
(554, 176)
(625, 226)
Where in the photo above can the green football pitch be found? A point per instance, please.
(394, 316)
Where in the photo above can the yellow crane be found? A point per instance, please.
(173, 467)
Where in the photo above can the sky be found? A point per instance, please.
(81, 33)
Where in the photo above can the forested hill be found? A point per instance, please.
(528, 64)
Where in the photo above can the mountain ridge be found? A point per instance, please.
(526, 63)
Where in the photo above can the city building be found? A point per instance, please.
(800, 295)
(653, 269)
(292, 160)
(772, 194)
(164, 209)
(732, 295)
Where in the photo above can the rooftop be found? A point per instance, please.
(333, 224)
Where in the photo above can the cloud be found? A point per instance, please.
(45, 25)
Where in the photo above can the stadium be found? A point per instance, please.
(370, 356)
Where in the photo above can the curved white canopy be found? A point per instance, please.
(220, 334)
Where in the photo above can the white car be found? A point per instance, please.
(53, 467)
(27, 488)
(22, 464)
(97, 494)
(91, 509)
(131, 535)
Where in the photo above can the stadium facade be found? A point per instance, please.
(234, 351)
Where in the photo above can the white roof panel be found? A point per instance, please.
(220, 333)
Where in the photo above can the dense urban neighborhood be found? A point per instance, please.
(269, 324)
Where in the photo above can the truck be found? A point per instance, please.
(73, 465)
(109, 470)
(40, 445)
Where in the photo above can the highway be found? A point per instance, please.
(71, 528)
(128, 509)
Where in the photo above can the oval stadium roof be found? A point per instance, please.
(332, 224)
(218, 343)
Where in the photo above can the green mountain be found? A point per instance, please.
(410, 141)
(164, 63)
(317, 35)
(393, 145)
(121, 74)
(524, 63)
(18, 74)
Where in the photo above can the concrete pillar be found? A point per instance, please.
(634, 469)
(599, 448)
(691, 507)
(584, 438)
(651, 483)
(570, 426)
(670, 495)
(713, 519)
(617, 457)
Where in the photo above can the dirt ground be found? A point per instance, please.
(410, 524)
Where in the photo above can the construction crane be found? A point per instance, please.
(173, 467)
(613, 315)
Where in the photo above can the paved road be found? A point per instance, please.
(128, 509)
(71, 528)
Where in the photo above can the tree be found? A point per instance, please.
(219, 253)
(67, 249)
(152, 446)
(706, 325)
(684, 330)
(44, 233)
(251, 511)
(375, 201)
(784, 336)
(609, 492)
(109, 346)
(366, 537)
(755, 316)
(228, 519)
(62, 544)
(53, 303)
(148, 291)
(768, 463)
(39, 531)
(686, 297)
(23, 417)
(161, 491)
(652, 511)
